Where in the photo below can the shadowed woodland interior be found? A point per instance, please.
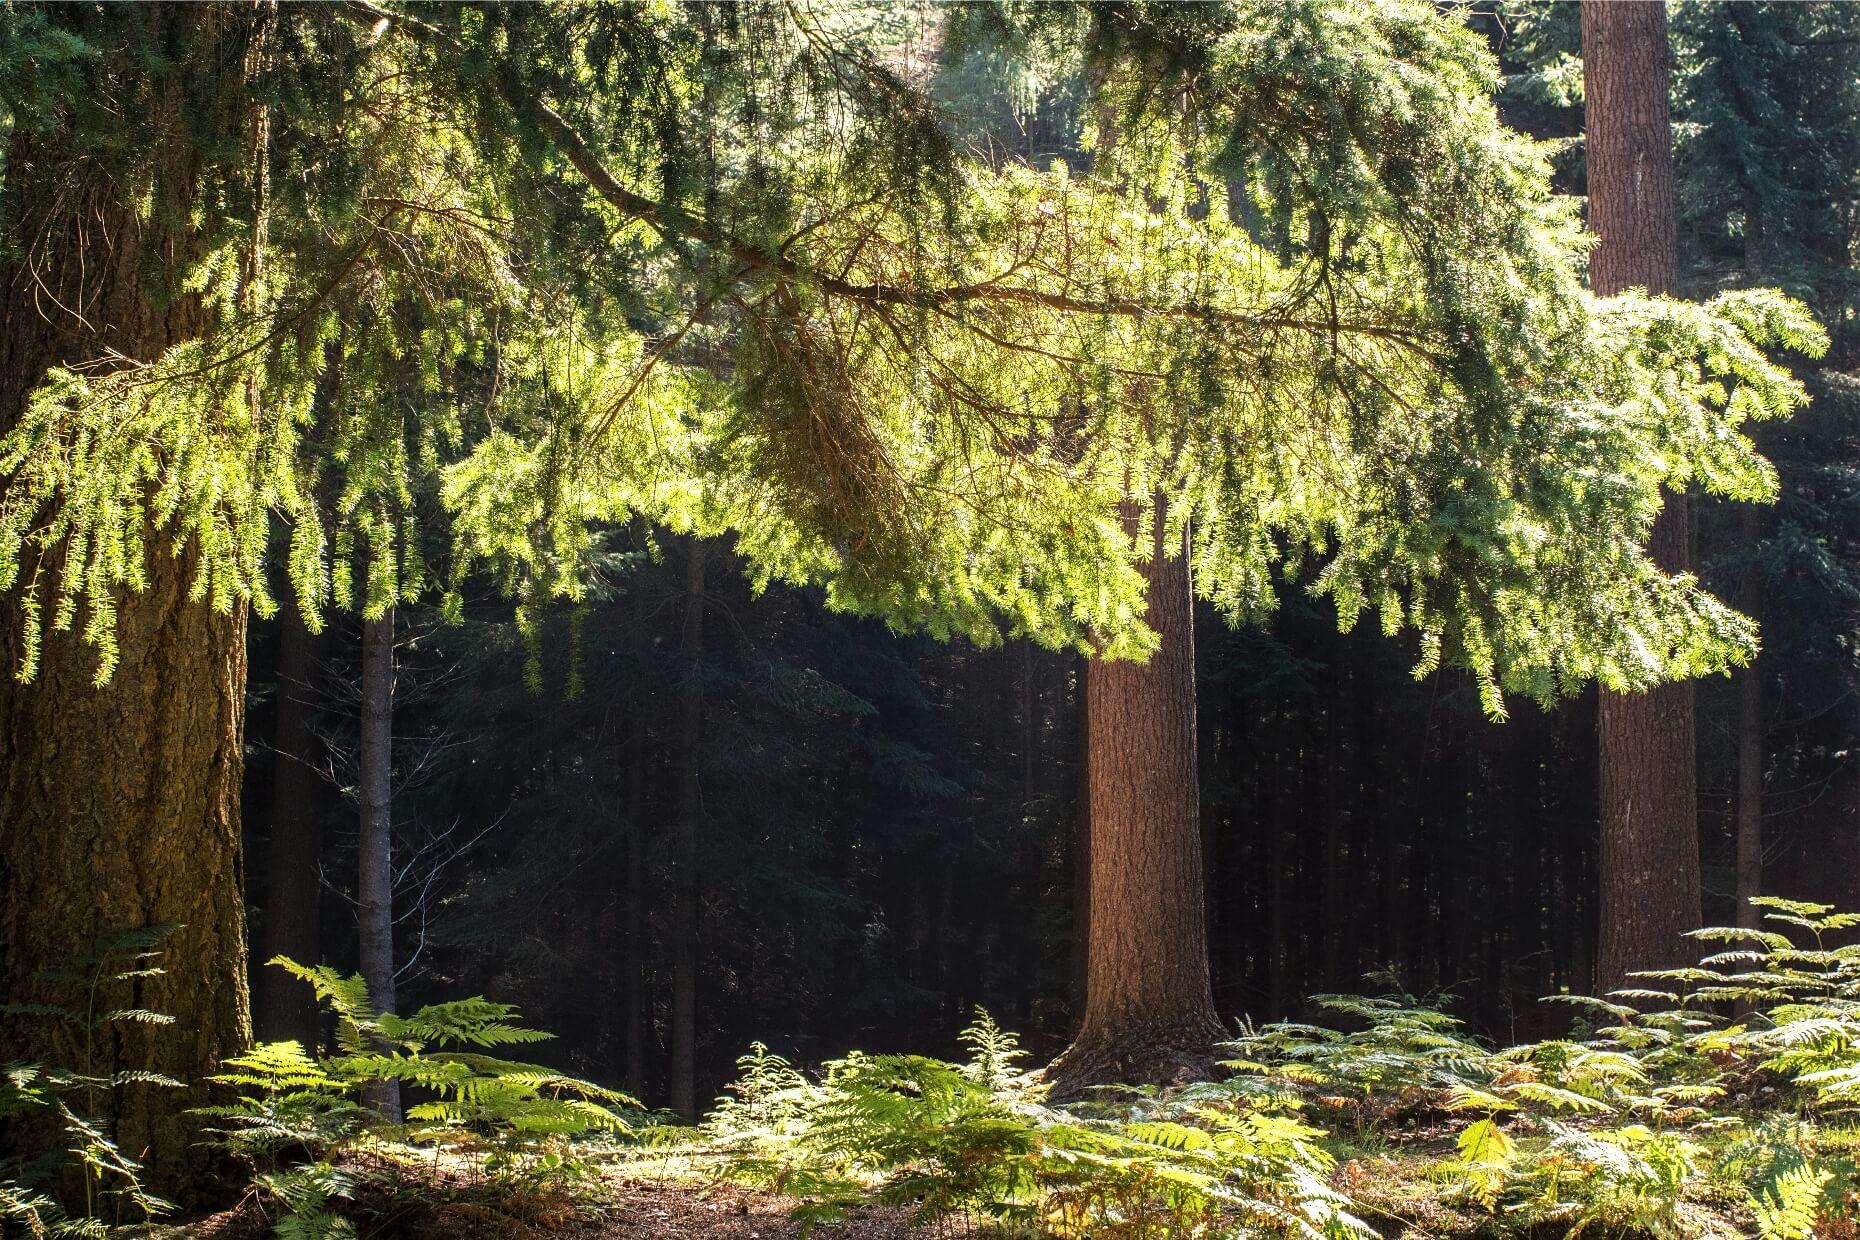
(1058, 619)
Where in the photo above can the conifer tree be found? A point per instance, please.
(109, 170)
(723, 267)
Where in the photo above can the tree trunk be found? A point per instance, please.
(1650, 857)
(1081, 851)
(374, 888)
(634, 931)
(119, 806)
(1753, 236)
(684, 846)
(1749, 843)
(1149, 1007)
(1750, 736)
(286, 1008)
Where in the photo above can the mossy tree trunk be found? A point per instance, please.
(119, 805)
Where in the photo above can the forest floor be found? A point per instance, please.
(618, 1206)
(1394, 1189)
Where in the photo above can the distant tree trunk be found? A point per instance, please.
(1750, 736)
(685, 892)
(375, 883)
(1749, 844)
(1149, 1007)
(1276, 788)
(1650, 857)
(1081, 853)
(1753, 236)
(634, 976)
(119, 806)
(1338, 932)
(286, 1008)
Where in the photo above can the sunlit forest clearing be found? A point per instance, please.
(1126, 620)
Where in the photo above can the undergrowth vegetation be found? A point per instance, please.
(1717, 1100)
(298, 1114)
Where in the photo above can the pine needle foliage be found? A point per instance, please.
(730, 269)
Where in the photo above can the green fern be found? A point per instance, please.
(81, 996)
(511, 1118)
(976, 1140)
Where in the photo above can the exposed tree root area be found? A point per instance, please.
(620, 1207)
(1160, 1056)
(653, 1208)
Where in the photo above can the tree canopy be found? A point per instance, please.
(732, 268)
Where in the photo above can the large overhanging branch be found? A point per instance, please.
(669, 220)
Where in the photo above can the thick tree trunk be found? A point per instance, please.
(1650, 858)
(685, 892)
(1081, 852)
(285, 1008)
(374, 887)
(119, 806)
(1149, 1007)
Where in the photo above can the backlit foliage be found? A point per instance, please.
(728, 267)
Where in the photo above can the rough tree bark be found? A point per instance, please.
(374, 888)
(119, 806)
(1081, 851)
(1149, 1007)
(1649, 854)
(685, 894)
(285, 1008)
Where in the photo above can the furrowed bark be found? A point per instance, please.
(1649, 858)
(1149, 1006)
(119, 805)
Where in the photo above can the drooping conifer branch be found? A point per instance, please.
(669, 220)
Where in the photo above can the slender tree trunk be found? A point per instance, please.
(1338, 934)
(1753, 236)
(1750, 736)
(685, 893)
(635, 920)
(1749, 825)
(1650, 857)
(374, 911)
(286, 1008)
(1149, 1009)
(1276, 787)
(119, 806)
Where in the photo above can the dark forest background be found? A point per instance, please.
(887, 826)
